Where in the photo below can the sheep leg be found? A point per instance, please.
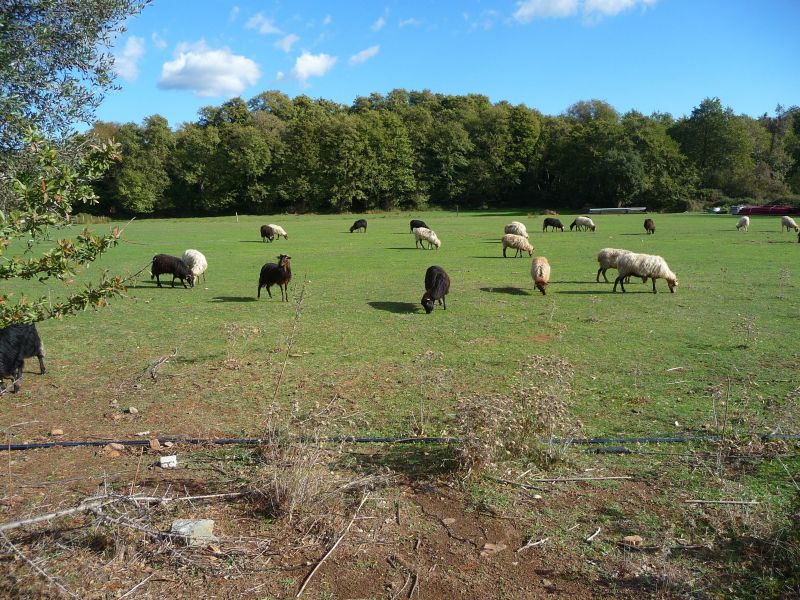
(654, 284)
(504, 252)
(620, 282)
(443, 303)
(268, 292)
(41, 363)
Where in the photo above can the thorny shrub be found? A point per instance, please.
(532, 421)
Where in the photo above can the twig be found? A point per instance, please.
(400, 591)
(36, 567)
(721, 502)
(560, 479)
(531, 544)
(298, 310)
(138, 585)
(152, 370)
(591, 537)
(83, 507)
(329, 552)
(517, 484)
(414, 587)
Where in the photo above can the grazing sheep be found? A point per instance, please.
(607, 257)
(18, 342)
(516, 228)
(519, 243)
(414, 223)
(423, 234)
(551, 222)
(196, 262)
(280, 274)
(360, 224)
(267, 234)
(644, 265)
(789, 223)
(582, 223)
(649, 226)
(278, 231)
(437, 286)
(540, 272)
(164, 264)
(744, 223)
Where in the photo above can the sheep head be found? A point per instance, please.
(427, 303)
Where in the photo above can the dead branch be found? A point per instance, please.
(531, 544)
(744, 502)
(36, 567)
(86, 506)
(591, 537)
(152, 370)
(138, 585)
(560, 479)
(329, 552)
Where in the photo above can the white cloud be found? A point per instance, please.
(592, 10)
(528, 10)
(232, 16)
(378, 25)
(126, 63)
(410, 23)
(312, 65)
(280, 76)
(262, 24)
(327, 20)
(364, 55)
(609, 8)
(208, 72)
(158, 41)
(286, 43)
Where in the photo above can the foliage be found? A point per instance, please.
(45, 196)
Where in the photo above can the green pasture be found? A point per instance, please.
(644, 363)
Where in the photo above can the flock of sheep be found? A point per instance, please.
(18, 342)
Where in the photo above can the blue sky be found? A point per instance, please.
(648, 55)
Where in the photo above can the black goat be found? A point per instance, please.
(649, 226)
(18, 342)
(437, 285)
(417, 223)
(280, 274)
(164, 264)
(360, 224)
(554, 223)
(267, 233)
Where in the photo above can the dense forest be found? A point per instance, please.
(415, 149)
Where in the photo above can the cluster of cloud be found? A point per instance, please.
(126, 62)
(591, 10)
(208, 72)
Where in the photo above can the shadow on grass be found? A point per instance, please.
(415, 461)
(233, 299)
(154, 286)
(395, 307)
(489, 257)
(253, 242)
(406, 248)
(514, 291)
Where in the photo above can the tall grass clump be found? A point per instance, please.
(532, 422)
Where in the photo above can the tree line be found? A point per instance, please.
(412, 149)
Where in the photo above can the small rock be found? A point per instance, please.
(168, 444)
(547, 583)
(448, 521)
(116, 417)
(155, 444)
(113, 454)
(57, 432)
(168, 462)
(115, 447)
(194, 532)
(132, 410)
(633, 540)
(489, 549)
(143, 433)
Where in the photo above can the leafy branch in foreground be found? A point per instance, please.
(44, 196)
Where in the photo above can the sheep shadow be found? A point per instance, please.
(514, 291)
(406, 248)
(154, 286)
(415, 461)
(233, 299)
(253, 242)
(490, 257)
(595, 292)
(395, 307)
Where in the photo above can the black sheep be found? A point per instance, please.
(649, 226)
(280, 274)
(437, 285)
(551, 222)
(417, 223)
(267, 233)
(18, 342)
(164, 264)
(360, 224)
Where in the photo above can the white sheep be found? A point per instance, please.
(644, 265)
(196, 262)
(789, 223)
(607, 257)
(744, 223)
(582, 223)
(516, 228)
(519, 243)
(423, 234)
(278, 231)
(540, 272)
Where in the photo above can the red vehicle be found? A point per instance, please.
(769, 209)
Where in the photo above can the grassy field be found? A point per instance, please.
(720, 356)
(644, 363)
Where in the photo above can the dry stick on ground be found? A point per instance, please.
(594, 535)
(746, 502)
(329, 552)
(560, 479)
(298, 309)
(152, 370)
(531, 544)
(4, 539)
